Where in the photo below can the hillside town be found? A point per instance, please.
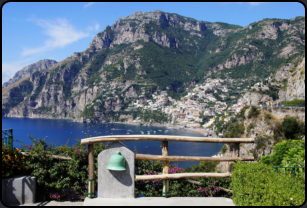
(199, 102)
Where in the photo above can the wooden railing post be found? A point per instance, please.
(165, 190)
(238, 148)
(165, 157)
(91, 175)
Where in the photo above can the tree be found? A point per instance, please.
(292, 128)
(234, 130)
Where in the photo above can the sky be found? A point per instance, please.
(33, 31)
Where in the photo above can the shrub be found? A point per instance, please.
(224, 149)
(287, 153)
(242, 112)
(216, 187)
(59, 178)
(180, 187)
(293, 102)
(148, 188)
(203, 166)
(234, 130)
(268, 116)
(255, 154)
(13, 162)
(261, 141)
(254, 112)
(249, 127)
(292, 128)
(257, 184)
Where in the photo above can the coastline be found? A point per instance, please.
(203, 132)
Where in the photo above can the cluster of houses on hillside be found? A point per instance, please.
(189, 110)
(205, 99)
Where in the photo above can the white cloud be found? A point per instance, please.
(93, 28)
(88, 4)
(251, 3)
(229, 2)
(9, 69)
(255, 3)
(97, 26)
(61, 33)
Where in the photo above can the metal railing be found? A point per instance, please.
(7, 137)
(165, 157)
(292, 169)
(279, 106)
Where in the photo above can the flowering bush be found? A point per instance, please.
(178, 187)
(13, 162)
(60, 179)
(176, 170)
(215, 187)
(150, 188)
(66, 179)
(59, 196)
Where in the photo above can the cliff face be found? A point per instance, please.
(135, 27)
(26, 71)
(296, 83)
(253, 98)
(261, 128)
(148, 52)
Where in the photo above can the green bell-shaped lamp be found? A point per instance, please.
(117, 162)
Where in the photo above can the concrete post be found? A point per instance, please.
(18, 190)
(116, 184)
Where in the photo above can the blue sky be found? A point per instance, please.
(47, 30)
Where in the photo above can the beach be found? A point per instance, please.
(201, 131)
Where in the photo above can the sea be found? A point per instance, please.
(60, 132)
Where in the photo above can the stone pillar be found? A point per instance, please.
(18, 190)
(116, 184)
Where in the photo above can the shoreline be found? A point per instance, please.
(203, 132)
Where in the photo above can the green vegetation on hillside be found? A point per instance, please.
(234, 130)
(293, 102)
(17, 94)
(290, 153)
(187, 58)
(272, 92)
(228, 26)
(257, 184)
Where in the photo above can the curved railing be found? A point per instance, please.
(7, 137)
(165, 157)
(291, 169)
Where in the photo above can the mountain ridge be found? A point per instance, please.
(144, 53)
(27, 70)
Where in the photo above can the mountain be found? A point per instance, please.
(26, 71)
(146, 62)
(295, 83)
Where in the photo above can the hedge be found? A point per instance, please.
(257, 184)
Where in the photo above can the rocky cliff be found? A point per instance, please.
(265, 129)
(295, 84)
(26, 71)
(148, 52)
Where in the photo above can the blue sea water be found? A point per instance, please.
(58, 132)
